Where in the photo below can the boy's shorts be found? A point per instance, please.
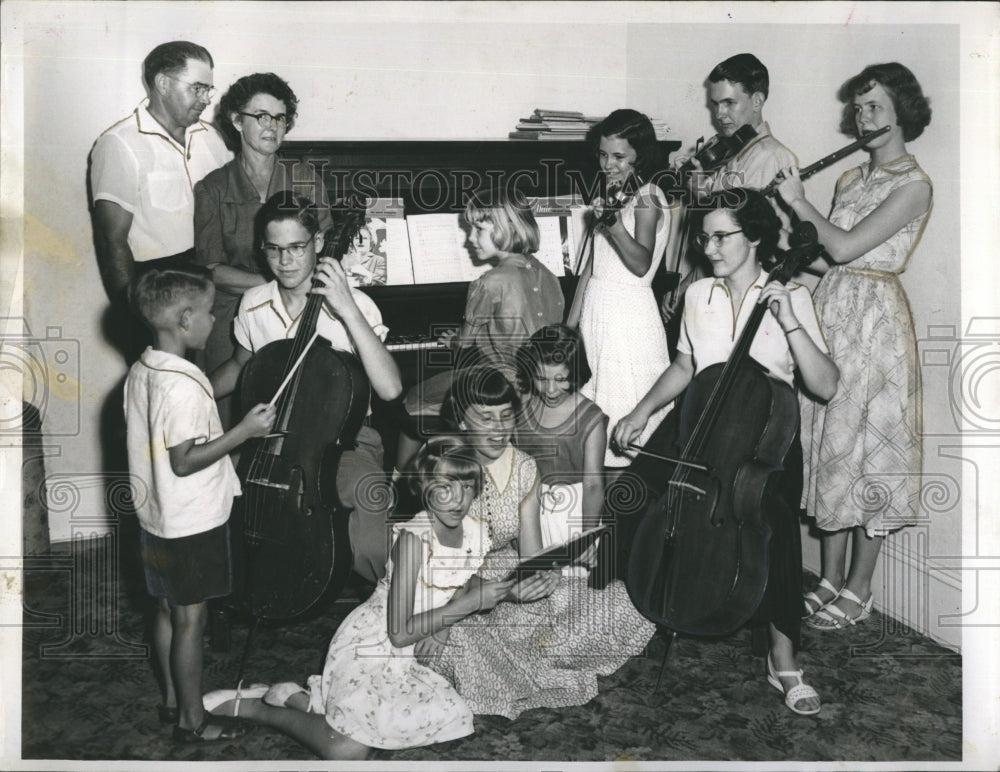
(190, 569)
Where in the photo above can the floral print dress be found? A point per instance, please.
(543, 654)
(863, 448)
(379, 695)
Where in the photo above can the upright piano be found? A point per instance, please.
(436, 176)
(432, 177)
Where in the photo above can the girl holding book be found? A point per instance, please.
(547, 649)
(373, 692)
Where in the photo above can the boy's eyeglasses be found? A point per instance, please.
(266, 120)
(702, 239)
(295, 250)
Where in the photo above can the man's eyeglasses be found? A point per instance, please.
(266, 120)
(201, 90)
(275, 251)
(702, 239)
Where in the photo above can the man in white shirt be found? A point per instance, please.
(144, 168)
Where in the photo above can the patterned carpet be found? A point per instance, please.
(89, 692)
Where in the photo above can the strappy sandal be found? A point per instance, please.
(279, 694)
(801, 691)
(831, 617)
(814, 603)
(213, 700)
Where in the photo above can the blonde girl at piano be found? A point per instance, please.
(614, 308)
(504, 306)
(373, 692)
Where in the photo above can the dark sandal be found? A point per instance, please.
(168, 716)
(227, 731)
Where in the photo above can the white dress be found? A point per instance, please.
(379, 695)
(621, 327)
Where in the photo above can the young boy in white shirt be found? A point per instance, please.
(183, 484)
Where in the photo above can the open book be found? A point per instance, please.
(558, 556)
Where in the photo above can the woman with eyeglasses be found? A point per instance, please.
(736, 238)
(253, 115)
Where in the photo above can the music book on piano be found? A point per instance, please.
(559, 556)
(380, 252)
(560, 224)
(439, 251)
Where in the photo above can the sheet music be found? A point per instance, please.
(550, 243)
(398, 262)
(438, 251)
(561, 222)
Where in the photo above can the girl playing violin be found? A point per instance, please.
(614, 307)
(867, 438)
(735, 240)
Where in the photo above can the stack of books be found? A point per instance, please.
(568, 125)
(554, 124)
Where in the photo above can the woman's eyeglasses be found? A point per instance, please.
(702, 239)
(266, 120)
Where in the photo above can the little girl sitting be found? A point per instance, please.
(564, 431)
(373, 693)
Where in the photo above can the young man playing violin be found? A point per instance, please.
(737, 89)
(351, 321)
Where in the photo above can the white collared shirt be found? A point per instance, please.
(263, 317)
(709, 331)
(169, 400)
(139, 166)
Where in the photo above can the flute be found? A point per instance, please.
(825, 161)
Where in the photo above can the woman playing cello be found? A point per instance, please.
(736, 238)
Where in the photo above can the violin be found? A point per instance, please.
(699, 559)
(291, 544)
(719, 150)
(615, 200)
(713, 154)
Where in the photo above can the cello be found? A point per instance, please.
(699, 558)
(291, 543)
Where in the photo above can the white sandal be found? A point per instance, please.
(814, 604)
(213, 700)
(279, 694)
(801, 691)
(831, 617)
